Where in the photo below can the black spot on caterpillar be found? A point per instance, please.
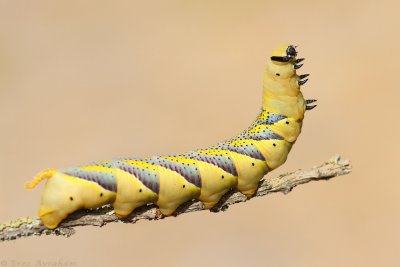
(204, 174)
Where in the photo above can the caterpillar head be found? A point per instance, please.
(280, 78)
(284, 53)
(64, 194)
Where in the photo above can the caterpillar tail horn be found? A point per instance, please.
(45, 174)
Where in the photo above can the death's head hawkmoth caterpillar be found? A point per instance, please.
(204, 174)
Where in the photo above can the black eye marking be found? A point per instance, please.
(280, 59)
(274, 144)
(71, 198)
(287, 122)
(183, 186)
(222, 177)
(278, 74)
(101, 194)
(252, 164)
(140, 190)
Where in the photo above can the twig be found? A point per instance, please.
(101, 216)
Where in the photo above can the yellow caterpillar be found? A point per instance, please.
(204, 174)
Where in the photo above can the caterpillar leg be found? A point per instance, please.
(167, 210)
(250, 172)
(123, 209)
(250, 192)
(211, 200)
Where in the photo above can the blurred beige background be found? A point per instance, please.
(91, 80)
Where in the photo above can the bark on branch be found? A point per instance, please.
(30, 226)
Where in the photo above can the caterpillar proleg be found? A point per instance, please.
(204, 174)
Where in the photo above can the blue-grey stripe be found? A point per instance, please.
(104, 179)
(149, 177)
(188, 171)
(265, 134)
(223, 160)
(271, 118)
(249, 150)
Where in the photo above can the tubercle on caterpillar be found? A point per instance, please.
(204, 174)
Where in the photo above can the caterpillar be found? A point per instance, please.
(204, 174)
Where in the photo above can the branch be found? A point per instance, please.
(101, 216)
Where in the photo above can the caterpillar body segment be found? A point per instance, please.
(289, 129)
(250, 171)
(275, 151)
(215, 181)
(204, 174)
(133, 191)
(174, 191)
